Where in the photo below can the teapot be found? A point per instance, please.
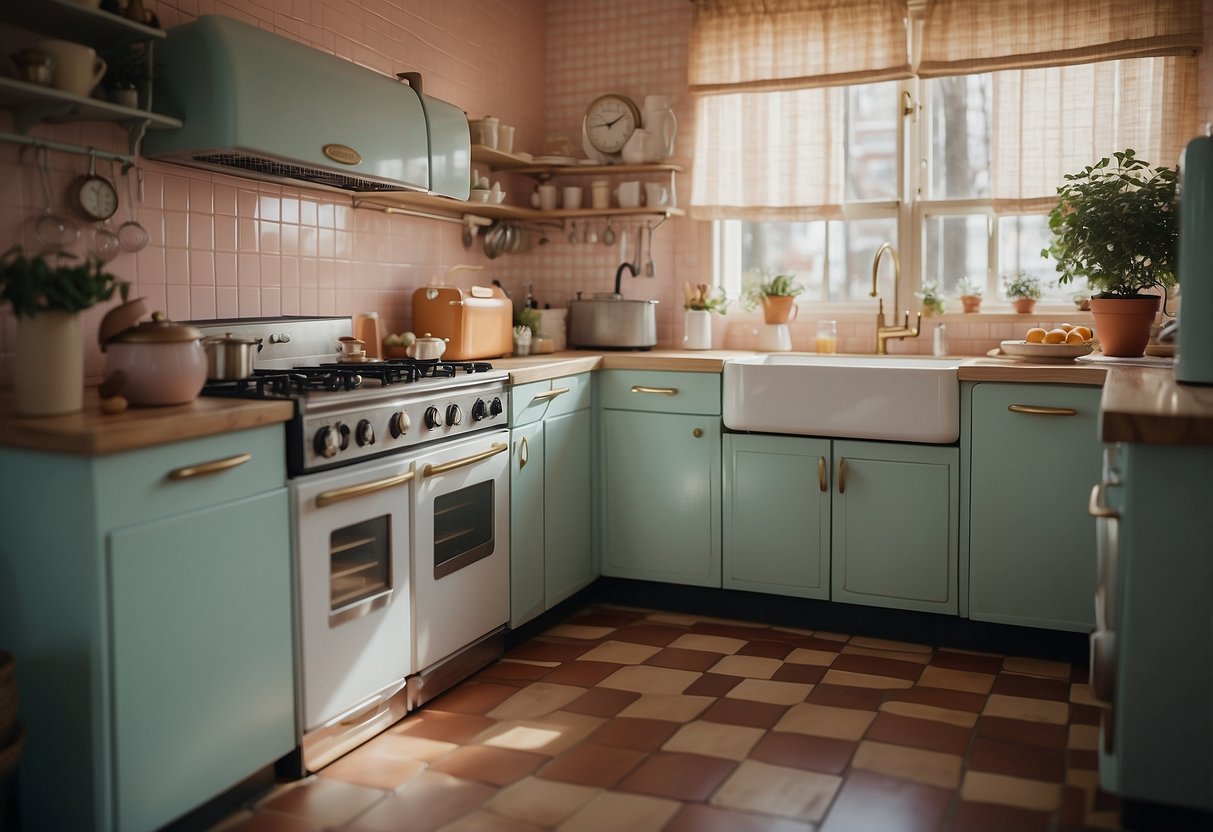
(427, 348)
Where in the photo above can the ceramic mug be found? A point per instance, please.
(488, 132)
(505, 138)
(572, 198)
(77, 68)
(547, 197)
(628, 194)
(600, 194)
(655, 195)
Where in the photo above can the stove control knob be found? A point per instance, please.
(399, 424)
(343, 435)
(365, 433)
(432, 419)
(454, 416)
(326, 443)
(495, 408)
(479, 410)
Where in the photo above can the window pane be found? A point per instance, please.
(960, 111)
(1020, 240)
(851, 252)
(871, 143)
(782, 247)
(956, 247)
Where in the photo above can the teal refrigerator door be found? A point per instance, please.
(1194, 364)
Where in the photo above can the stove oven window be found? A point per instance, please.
(463, 527)
(360, 566)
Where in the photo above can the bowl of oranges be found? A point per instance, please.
(1060, 344)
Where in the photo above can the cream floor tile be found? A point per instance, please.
(966, 680)
(1083, 737)
(901, 656)
(538, 801)
(964, 719)
(885, 644)
(774, 692)
(760, 787)
(482, 821)
(645, 679)
(711, 644)
(825, 721)
(983, 787)
(817, 658)
(535, 700)
(864, 680)
(619, 652)
(752, 667)
(551, 734)
(931, 767)
(1037, 667)
(1032, 710)
(670, 707)
(1080, 694)
(714, 739)
(405, 747)
(619, 812)
(581, 631)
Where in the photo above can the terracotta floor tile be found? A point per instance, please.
(407, 747)
(643, 678)
(678, 776)
(483, 821)
(677, 619)
(544, 803)
(990, 817)
(969, 662)
(547, 651)
(698, 818)
(869, 802)
(822, 754)
(737, 630)
(602, 702)
(824, 642)
(745, 712)
(826, 721)
(1018, 760)
(1030, 710)
(472, 698)
(580, 673)
(1085, 714)
(598, 617)
(1033, 687)
(772, 692)
(511, 671)
(930, 767)
(1080, 694)
(984, 787)
(637, 734)
(713, 684)
(805, 655)
(590, 764)
(266, 822)
(656, 635)
(443, 726)
(580, 631)
(895, 655)
(934, 676)
(617, 812)
(929, 735)
(955, 700)
(1085, 737)
(364, 767)
(430, 800)
(885, 644)
(682, 659)
(1080, 674)
(1036, 667)
(805, 674)
(913, 710)
(778, 790)
(549, 735)
(714, 739)
(766, 649)
(1082, 759)
(619, 652)
(863, 680)
(535, 700)
(751, 667)
(874, 666)
(1022, 731)
(710, 643)
(842, 696)
(675, 708)
(1073, 811)
(497, 766)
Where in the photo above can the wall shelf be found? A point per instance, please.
(443, 207)
(511, 163)
(71, 21)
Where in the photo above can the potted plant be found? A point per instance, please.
(700, 301)
(1023, 290)
(47, 292)
(969, 291)
(1116, 225)
(932, 298)
(775, 292)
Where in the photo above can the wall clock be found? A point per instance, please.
(609, 122)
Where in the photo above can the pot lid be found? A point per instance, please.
(427, 338)
(120, 319)
(159, 330)
(228, 338)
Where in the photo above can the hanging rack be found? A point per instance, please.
(29, 141)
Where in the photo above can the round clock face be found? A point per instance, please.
(610, 121)
(95, 197)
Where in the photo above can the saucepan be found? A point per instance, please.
(229, 358)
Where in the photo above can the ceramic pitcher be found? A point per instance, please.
(659, 121)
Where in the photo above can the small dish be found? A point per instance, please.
(555, 160)
(523, 155)
(1045, 353)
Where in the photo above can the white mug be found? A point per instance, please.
(655, 194)
(628, 194)
(505, 138)
(572, 198)
(547, 197)
(488, 132)
(77, 68)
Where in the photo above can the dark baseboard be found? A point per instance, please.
(1146, 816)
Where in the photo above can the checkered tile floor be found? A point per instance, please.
(637, 721)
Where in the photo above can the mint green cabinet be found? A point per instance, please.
(777, 515)
(551, 534)
(1034, 454)
(659, 452)
(151, 620)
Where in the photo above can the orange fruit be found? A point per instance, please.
(1036, 335)
(1065, 327)
(1084, 331)
(1075, 337)
(1055, 336)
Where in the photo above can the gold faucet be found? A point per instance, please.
(884, 333)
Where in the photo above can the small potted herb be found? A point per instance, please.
(969, 291)
(775, 292)
(1023, 291)
(700, 301)
(932, 298)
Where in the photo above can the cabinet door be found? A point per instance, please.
(200, 655)
(777, 515)
(568, 551)
(526, 523)
(1031, 541)
(895, 526)
(661, 497)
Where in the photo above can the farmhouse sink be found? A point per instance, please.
(904, 399)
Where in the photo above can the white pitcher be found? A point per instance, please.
(660, 122)
(636, 150)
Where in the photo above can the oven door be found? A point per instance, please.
(461, 545)
(352, 571)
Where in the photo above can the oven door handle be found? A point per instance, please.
(494, 449)
(327, 498)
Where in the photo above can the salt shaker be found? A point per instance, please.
(941, 339)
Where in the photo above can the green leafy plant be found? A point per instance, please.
(764, 283)
(931, 296)
(54, 281)
(1022, 285)
(969, 287)
(1116, 225)
(527, 317)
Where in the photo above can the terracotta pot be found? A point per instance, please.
(971, 303)
(779, 309)
(1023, 305)
(1123, 324)
(48, 367)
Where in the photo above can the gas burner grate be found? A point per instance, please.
(299, 381)
(405, 370)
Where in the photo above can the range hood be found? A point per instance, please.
(263, 106)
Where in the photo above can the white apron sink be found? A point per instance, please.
(901, 399)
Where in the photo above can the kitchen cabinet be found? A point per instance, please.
(551, 534)
(659, 464)
(1033, 455)
(149, 606)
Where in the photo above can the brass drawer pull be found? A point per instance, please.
(327, 498)
(549, 394)
(205, 468)
(494, 449)
(1036, 410)
(842, 475)
(1096, 507)
(821, 474)
(659, 391)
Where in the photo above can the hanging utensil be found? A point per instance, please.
(649, 269)
(589, 235)
(131, 235)
(53, 229)
(573, 233)
(608, 236)
(105, 244)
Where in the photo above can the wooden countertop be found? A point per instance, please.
(541, 367)
(1141, 404)
(1001, 369)
(92, 432)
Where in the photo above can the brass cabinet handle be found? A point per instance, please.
(494, 449)
(1036, 410)
(842, 475)
(659, 391)
(1096, 507)
(821, 474)
(522, 454)
(327, 498)
(205, 468)
(549, 394)
(697, 432)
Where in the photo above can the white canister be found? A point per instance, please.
(553, 324)
(698, 330)
(600, 194)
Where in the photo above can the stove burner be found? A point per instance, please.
(283, 384)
